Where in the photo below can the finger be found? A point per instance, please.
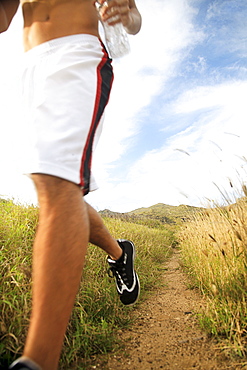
(116, 12)
(120, 11)
(111, 14)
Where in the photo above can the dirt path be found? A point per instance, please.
(166, 334)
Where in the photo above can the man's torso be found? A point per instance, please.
(45, 20)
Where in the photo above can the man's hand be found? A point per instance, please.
(117, 11)
(3, 19)
(121, 11)
(8, 9)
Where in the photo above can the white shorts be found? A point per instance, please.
(66, 86)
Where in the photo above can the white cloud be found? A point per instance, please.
(195, 163)
(166, 36)
(231, 95)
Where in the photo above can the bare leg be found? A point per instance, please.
(59, 252)
(100, 236)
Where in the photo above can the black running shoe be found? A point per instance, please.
(24, 363)
(127, 282)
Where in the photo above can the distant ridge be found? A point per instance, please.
(161, 212)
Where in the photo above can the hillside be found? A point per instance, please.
(160, 212)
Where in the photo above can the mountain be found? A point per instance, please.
(160, 212)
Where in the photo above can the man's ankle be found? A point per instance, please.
(118, 255)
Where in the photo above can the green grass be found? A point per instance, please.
(214, 251)
(98, 313)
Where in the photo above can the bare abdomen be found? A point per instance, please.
(46, 20)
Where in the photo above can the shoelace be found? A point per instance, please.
(119, 272)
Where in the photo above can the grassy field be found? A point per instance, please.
(98, 313)
(214, 249)
(213, 242)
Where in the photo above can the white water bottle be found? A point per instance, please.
(115, 36)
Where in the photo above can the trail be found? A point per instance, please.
(166, 334)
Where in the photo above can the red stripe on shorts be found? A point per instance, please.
(104, 84)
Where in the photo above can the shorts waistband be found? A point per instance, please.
(48, 46)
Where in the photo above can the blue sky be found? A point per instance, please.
(175, 128)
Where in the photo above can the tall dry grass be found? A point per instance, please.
(214, 250)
